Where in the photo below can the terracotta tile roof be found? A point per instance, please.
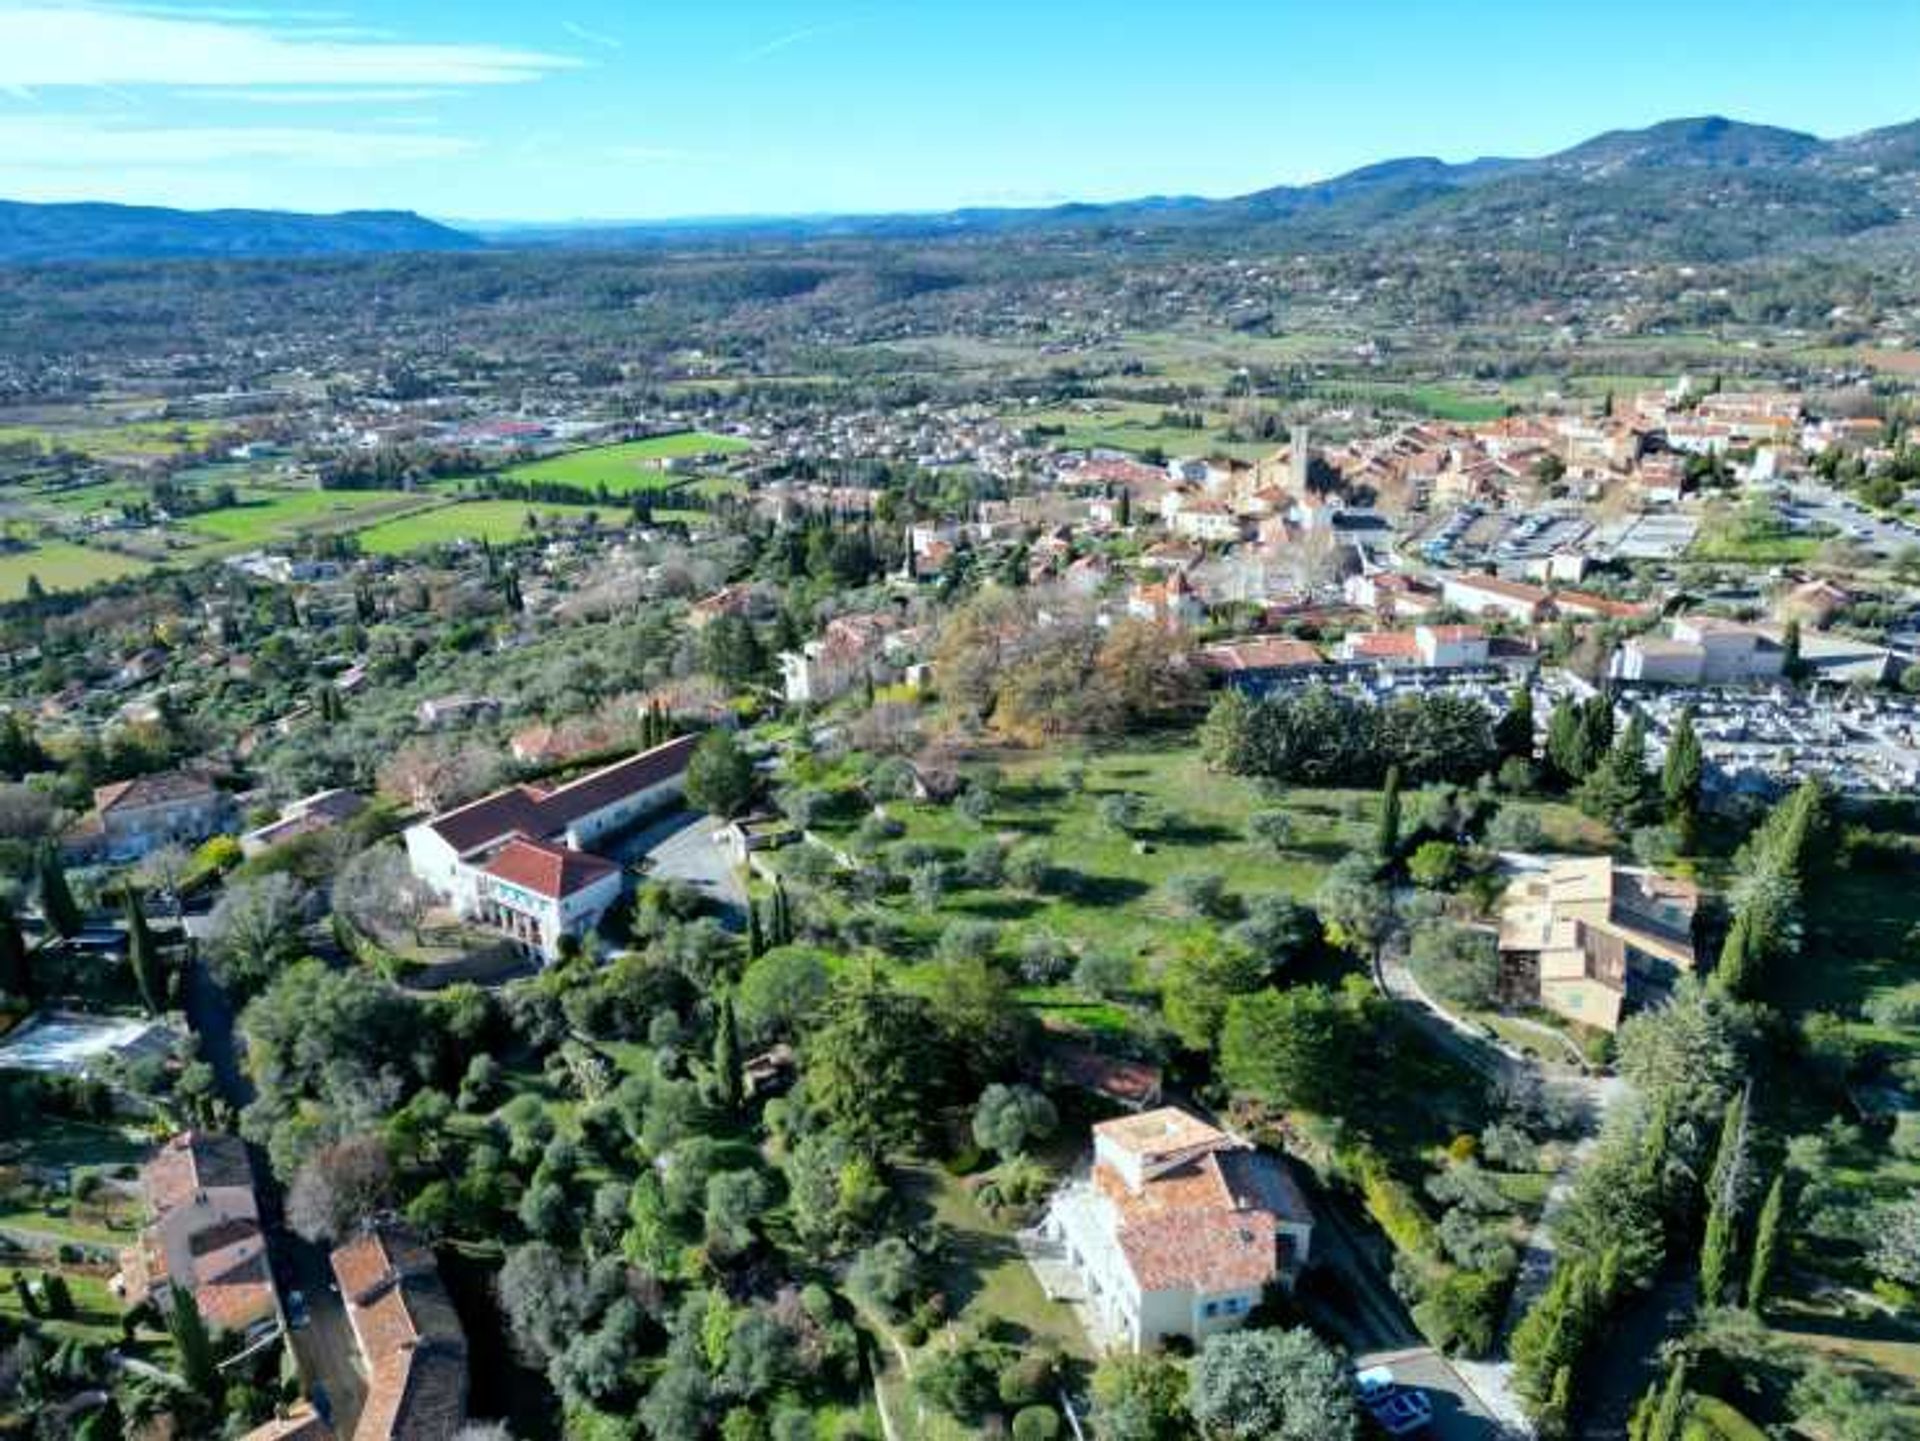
(546, 869)
(602, 788)
(169, 788)
(302, 1423)
(1210, 1252)
(410, 1338)
(193, 1162)
(1276, 652)
(530, 811)
(1383, 645)
(479, 822)
(1494, 585)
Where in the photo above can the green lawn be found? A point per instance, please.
(1115, 900)
(263, 516)
(985, 1276)
(495, 521)
(62, 565)
(627, 467)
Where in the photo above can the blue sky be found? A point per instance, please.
(651, 108)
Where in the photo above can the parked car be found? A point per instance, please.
(297, 1316)
(1398, 1410)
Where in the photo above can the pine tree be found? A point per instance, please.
(141, 953)
(727, 1076)
(193, 1345)
(1386, 842)
(1766, 1244)
(56, 897)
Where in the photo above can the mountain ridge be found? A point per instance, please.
(1698, 187)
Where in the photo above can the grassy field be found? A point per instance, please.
(62, 565)
(627, 467)
(494, 521)
(1135, 426)
(1115, 899)
(264, 516)
(134, 438)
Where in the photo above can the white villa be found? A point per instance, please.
(518, 861)
(1179, 1228)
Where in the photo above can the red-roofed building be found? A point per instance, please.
(1179, 1229)
(521, 861)
(204, 1234)
(410, 1341)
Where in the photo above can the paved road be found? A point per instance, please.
(1820, 504)
(1458, 1412)
(324, 1347)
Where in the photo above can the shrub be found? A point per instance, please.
(1201, 894)
(1036, 1423)
(1045, 959)
(969, 941)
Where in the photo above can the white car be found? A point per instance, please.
(1399, 1410)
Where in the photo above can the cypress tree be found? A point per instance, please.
(1387, 839)
(727, 1077)
(1791, 665)
(1513, 735)
(1671, 1414)
(1766, 1243)
(1681, 772)
(1724, 1184)
(23, 1293)
(194, 1346)
(16, 974)
(756, 942)
(1564, 743)
(1734, 973)
(141, 955)
(56, 897)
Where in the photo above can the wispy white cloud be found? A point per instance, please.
(71, 142)
(795, 37)
(592, 37)
(45, 46)
(310, 95)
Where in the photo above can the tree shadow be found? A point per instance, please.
(998, 907)
(1178, 832)
(1103, 890)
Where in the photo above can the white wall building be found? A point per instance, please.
(1179, 1228)
(519, 861)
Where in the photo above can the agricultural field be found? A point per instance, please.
(494, 521)
(1134, 426)
(627, 467)
(141, 439)
(62, 565)
(265, 516)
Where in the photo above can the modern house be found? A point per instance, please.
(520, 861)
(1178, 1229)
(408, 1336)
(1587, 939)
(204, 1234)
(129, 819)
